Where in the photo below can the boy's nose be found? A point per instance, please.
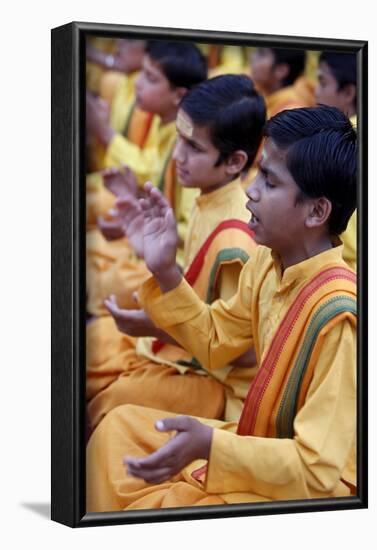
(178, 154)
(138, 83)
(253, 189)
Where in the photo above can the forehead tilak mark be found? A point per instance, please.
(184, 126)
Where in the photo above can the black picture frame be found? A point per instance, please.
(68, 276)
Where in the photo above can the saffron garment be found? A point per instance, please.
(121, 369)
(296, 435)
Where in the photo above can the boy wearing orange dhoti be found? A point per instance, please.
(296, 303)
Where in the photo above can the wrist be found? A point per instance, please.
(168, 278)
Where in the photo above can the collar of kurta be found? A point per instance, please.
(219, 196)
(305, 269)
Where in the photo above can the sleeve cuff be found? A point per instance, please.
(173, 307)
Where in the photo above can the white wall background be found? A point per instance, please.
(25, 273)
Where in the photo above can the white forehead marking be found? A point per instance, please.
(184, 126)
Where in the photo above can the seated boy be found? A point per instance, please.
(337, 86)
(277, 74)
(296, 303)
(219, 127)
(169, 70)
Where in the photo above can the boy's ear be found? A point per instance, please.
(180, 92)
(236, 161)
(349, 93)
(319, 212)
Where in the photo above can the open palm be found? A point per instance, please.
(159, 232)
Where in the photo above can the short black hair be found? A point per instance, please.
(182, 63)
(233, 111)
(295, 59)
(342, 67)
(322, 157)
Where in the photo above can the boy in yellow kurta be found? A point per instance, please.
(295, 303)
(169, 70)
(337, 86)
(155, 373)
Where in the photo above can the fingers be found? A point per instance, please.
(154, 204)
(177, 423)
(130, 315)
(164, 457)
(150, 476)
(111, 305)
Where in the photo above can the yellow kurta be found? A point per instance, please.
(241, 468)
(125, 370)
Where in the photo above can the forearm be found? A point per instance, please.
(197, 327)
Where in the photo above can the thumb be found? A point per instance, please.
(170, 219)
(177, 423)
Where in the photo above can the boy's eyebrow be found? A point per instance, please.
(190, 140)
(265, 170)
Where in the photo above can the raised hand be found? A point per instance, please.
(191, 441)
(134, 322)
(121, 182)
(160, 237)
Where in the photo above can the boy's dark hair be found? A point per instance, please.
(342, 67)
(322, 159)
(182, 63)
(233, 111)
(295, 59)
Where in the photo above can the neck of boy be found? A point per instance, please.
(168, 117)
(304, 251)
(215, 187)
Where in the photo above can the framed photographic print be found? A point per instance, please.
(209, 274)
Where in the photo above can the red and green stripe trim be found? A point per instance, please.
(257, 389)
(197, 263)
(288, 405)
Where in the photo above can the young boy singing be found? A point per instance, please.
(296, 303)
